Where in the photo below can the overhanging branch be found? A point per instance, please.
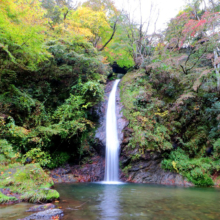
(113, 33)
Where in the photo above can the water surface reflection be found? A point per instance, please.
(110, 202)
(132, 201)
(140, 201)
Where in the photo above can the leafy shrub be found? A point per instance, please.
(58, 159)
(126, 169)
(216, 146)
(198, 177)
(36, 155)
(143, 113)
(197, 170)
(56, 105)
(6, 151)
(5, 199)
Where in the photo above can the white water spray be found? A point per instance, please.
(112, 143)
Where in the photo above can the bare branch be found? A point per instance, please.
(111, 37)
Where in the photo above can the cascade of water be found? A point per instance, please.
(112, 143)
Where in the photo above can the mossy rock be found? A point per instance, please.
(21, 179)
(5, 199)
(41, 195)
(30, 181)
(33, 173)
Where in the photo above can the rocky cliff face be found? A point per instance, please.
(147, 169)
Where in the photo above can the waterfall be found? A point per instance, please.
(112, 143)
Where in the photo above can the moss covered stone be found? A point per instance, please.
(41, 195)
(31, 181)
(5, 199)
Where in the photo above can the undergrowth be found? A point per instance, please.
(164, 115)
(5, 199)
(197, 170)
(29, 180)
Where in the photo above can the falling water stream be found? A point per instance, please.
(112, 143)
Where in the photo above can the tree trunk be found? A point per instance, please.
(217, 67)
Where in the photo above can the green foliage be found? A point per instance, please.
(5, 199)
(21, 178)
(148, 133)
(181, 103)
(55, 107)
(41, 195)
(7, 152)
(36, 155)
(197, 170)
(199, 178)
(22, 35)
(29, 180)
(126, 169)
(216, 146)
(58, 159)
(135, 157)
(52, 76)
(164, 114)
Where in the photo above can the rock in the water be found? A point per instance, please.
(46, 215)
(38, 208)
(40, 195)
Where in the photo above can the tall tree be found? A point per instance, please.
(140, 31)
(192, 36)
(22, 32)
(112, 14)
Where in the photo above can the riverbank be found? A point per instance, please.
(25, 183)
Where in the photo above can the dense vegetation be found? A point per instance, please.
(54, 62)
(173, 101)
(51, 77)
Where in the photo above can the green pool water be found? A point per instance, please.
(133, 201)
